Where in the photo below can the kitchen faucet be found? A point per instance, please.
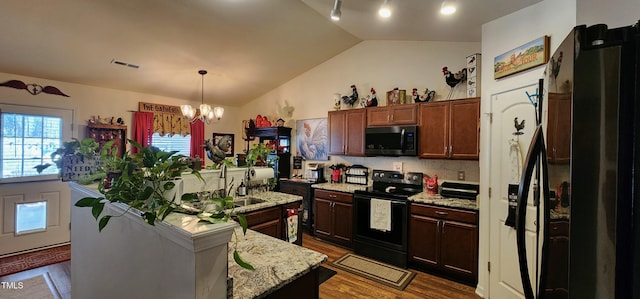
(223, 176)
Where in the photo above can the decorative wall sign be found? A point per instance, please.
(529, 55)
(311, 139)
(167, 119)
(33, 88)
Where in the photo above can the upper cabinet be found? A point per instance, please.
(559, 128)
(346, 132)
(450, 129)
(405, 114)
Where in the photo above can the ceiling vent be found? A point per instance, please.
(122, 63)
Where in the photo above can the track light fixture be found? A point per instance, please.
(448, 7)
(335, 12)
(385, 9)
(206, 113)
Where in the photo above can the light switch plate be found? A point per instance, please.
(397, 166)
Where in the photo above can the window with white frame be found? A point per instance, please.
(28, 136)
(179, 143)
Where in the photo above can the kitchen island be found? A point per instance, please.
(180, 257)
(282, 270)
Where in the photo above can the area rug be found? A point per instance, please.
(37, 287)
(385, 274)
(31, 260)
(325, 273)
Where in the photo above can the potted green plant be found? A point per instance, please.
(146, 178)
(258, 155)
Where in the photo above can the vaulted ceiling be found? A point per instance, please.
(248, 46)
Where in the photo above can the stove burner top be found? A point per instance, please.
(393, 184)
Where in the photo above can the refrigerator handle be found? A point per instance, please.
(536, 149)
(403, 140)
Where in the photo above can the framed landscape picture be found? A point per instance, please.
(224, 142)
(529, 55)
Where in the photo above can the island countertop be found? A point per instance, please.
(276, 264)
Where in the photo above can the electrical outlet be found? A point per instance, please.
(397, 166)
(460, 175)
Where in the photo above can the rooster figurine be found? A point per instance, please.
(373, 100)
(352, 98)
(453, 79)
(428, 95)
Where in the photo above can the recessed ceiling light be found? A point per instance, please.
(385, 9)
(448, 7)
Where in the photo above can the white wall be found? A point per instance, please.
(92, 101)
(614, 13)
(382, 65)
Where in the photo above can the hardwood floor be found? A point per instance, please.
(340, 286)
(347, 285)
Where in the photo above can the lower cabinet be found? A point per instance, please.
(334, 216)
(267, 221)
(444, 240)
(558, 267)
(271, 221)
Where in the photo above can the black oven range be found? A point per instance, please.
(381, 214)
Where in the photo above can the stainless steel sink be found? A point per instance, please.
(247, 201)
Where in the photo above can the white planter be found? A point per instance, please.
(179, 257)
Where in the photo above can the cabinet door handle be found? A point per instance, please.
(442, 213)
(332, 196)
(391, 117)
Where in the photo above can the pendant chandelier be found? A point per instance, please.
(206, 114)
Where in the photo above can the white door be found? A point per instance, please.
(505, 169)
(44, 205)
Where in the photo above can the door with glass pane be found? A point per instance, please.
(34, 208)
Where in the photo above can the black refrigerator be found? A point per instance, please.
(587, 200)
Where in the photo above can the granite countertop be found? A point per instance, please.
(276, 264)
(271, 199)
(438, 200)
(342, 187)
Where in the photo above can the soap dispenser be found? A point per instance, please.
(242, 189)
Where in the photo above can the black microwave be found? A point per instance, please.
(391, 141)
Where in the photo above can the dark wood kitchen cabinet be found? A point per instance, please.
(444, 240)
(559, 128)
(267, 221)
(450, 129)
(393, 115)
(558, 266)
(346, 132)
(333, 216)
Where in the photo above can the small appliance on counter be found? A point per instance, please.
(458, 189)
(357, 174)
(315, 172)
